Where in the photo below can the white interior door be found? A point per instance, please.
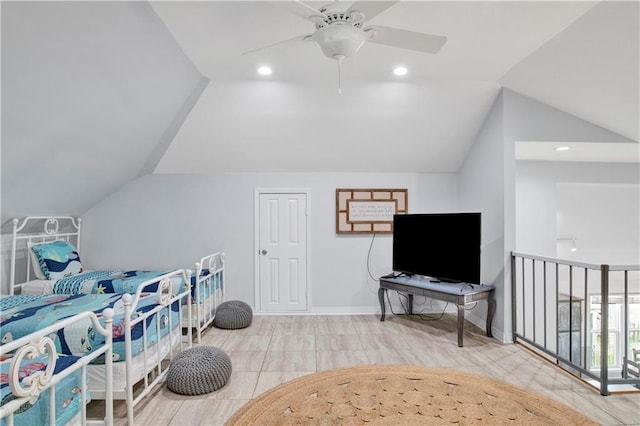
(282, 252)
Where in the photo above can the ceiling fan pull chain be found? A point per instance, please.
(339, 59)
(339, 79)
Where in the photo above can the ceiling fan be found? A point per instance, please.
(340, 30)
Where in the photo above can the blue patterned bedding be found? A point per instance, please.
(206, 289)
(24, 314)
(102, 282)
(68, 399)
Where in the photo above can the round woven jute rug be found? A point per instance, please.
(402, 395)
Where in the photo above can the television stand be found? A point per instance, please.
(460, 294)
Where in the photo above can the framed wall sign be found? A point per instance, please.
(368, 211)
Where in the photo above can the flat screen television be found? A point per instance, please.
(442, 246)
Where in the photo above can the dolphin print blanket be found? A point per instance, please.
(111, 281)
(22, 314)
(68, 400)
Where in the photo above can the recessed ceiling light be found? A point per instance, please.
(264, 70)
(561, 148)
(400, 71)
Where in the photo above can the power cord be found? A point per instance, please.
(424, 317)
(391, 306)
(404, 305)
(420, 315)
(369, 257)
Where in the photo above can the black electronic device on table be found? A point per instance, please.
(442, 246)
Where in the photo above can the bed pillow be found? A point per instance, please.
(35, 263)
(57, 259)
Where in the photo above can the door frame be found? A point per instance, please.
(256, 241)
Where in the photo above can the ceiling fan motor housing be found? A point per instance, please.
(339, 35)
(353, 18)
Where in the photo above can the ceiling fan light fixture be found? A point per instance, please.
(400, 71)
(264, 70)
(339, 41)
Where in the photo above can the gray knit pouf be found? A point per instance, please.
(233, 314)
(199, 370)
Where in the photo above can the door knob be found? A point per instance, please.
(263, 252)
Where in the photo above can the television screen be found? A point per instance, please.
(443, 246)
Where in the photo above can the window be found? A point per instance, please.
(616, 341)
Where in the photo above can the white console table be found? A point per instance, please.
(459, 293)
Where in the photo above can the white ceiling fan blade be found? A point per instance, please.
(298, 8)
(371, 8)
(280, 43)
(427, 43)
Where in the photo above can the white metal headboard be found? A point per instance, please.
(37, 229)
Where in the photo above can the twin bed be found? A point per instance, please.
(154, 312)
(40, 384)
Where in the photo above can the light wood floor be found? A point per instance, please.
(275, 349)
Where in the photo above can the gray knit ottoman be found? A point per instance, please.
(199, 370)
(233, 314)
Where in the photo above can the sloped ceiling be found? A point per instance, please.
(424, 122)
(92, 94)
(589, 70)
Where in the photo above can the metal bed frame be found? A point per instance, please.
(30, 388)
(209, 292)
(67, 228)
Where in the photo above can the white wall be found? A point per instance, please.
(481, 188)
(530, 205)
(603, 218)
(535, 210)
(487, 182)
(529, 120)
(164, 221)
(598, 203)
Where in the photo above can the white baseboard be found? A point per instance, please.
(358, 310)
(340, 310)
(480, 322)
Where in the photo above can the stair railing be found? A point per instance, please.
(552, 315)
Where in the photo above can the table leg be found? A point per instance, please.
(381, 292)
(491, 310)
(460, 324)
(410, 304)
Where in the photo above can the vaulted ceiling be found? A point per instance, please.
(95, 94)
(92, 95)
(579, 57)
